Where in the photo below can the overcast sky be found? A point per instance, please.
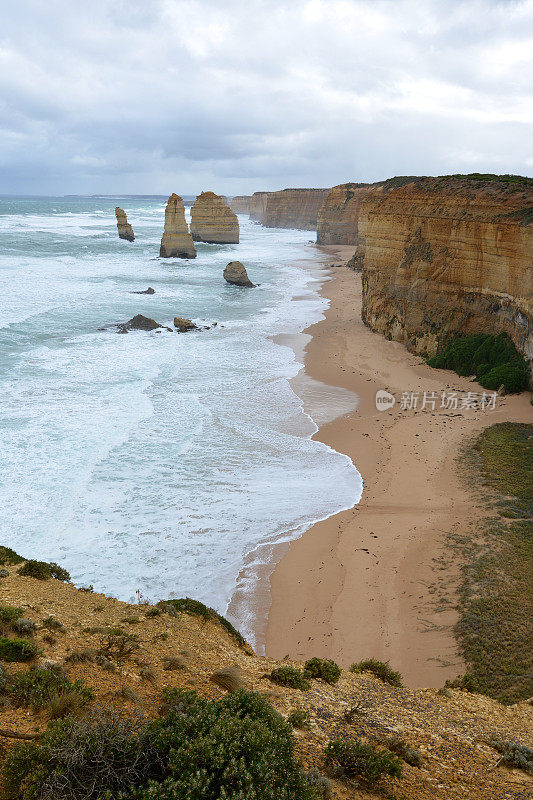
(155, 96)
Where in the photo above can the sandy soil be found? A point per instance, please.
(375, 581)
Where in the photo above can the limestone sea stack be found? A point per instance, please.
(213, 221)
(177, 241)
(236, 274)
(125, 231)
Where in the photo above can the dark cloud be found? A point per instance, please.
(163, 95)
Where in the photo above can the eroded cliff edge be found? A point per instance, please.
(439, 256)
(288, 208)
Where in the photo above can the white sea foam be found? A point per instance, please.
(155, 461)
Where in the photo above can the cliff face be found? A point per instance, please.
(240, 204)
(294, 208)
(125, 231)
(439, 256)
(258, 206)
(212, 220)
(176, 240)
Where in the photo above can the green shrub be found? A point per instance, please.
(10, 614)
(187, 605)
(118, 644)
(43, 571)
(361, 760)
(494, 360)
(238, 748)
(93, 757)
(380, 669)
(17, 649)
(290, 676)
(299, 718)
(323, 668)
(53, 624)
(514, 755)
(8, 556)
(404, 751)
(38, 686)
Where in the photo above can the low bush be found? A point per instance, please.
(299, 718)
(404, 751)
(319, 782)
(380, 669)
(186, 605)
(9, 614)
(17, 649)
(514, 755)
(43, 570)
(494, 360)
(53, 624)
(8, 556)
(360, 759)
(118, 644)
(323, 668)
(38, 686)
(290, 676)
(228, 678)
(93, 757)
(238, 747)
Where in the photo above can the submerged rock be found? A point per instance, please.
(125, 231)
(236, 274)
(141, 323)
(176, 241)
(213, 221)
(146, 291)
(183, 324)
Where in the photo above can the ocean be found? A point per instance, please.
(152, 465)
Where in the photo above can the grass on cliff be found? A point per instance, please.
(494, 360)
(494, 629)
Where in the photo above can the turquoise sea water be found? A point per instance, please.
(153, 461)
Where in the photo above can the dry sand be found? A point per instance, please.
(359, 584)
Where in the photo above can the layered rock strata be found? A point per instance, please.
(176, 242)
(235, 273)
(439, 257)
(213, 221)
(258, 203)
(125, 231)
(240, 204)
(294, 208)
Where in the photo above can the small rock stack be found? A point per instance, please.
(176, 241)
(125, 231)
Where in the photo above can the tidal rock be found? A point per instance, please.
(146, 291)
(125, 231)
(236, 274)
(183, 325)
(141, 323)
(177, 241)
(213, 221)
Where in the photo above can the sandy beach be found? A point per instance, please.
(376, 581)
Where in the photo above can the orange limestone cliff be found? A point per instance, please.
(177, 241)
(125, 231)
(240, 204)
(258, 206)
(440, 256)
(294, 208)
(212, 221)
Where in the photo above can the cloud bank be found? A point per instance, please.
(154, 96)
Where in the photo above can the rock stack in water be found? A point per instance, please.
(177, 241)
(213, 221)
(236, 274)
(125, 231)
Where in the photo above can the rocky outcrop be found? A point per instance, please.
(235, 273)
(439, 257)
(177, 241)
(125, 231)
(294, 208)
(258, 203)
(183, 325)
(146, 291)
(240, 204)
(212, 221)
(140, 323)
